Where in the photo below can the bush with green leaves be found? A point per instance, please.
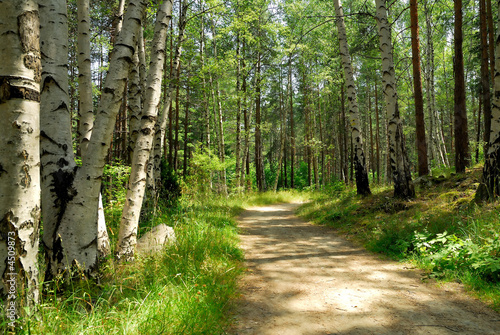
(446, 252)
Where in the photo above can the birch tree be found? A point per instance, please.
(72, 238)
(362, 184)
(398, 158)
(127, 236)
(20, 75)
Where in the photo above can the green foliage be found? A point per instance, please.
(170, 189)
(445, 252)
(114, 182)
(202, 165)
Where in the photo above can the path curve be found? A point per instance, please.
(303, 279)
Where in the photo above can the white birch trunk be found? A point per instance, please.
(86, 111)
(362, 183)
(134, 103)
(76, 234)
(20, 75)
(127, 236)
(57, 159)
(401, 175)
(163, 118)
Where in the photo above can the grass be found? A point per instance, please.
(187, 288)
(468, 253)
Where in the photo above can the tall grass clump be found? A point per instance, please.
(187, 288)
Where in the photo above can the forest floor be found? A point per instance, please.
(305, 279)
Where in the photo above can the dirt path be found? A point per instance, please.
(303, 279)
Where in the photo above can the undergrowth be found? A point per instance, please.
(442, 231)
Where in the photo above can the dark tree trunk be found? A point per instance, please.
(460, 112)
(423, 167)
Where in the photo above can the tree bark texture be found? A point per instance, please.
(362, 184)
(20, 75)
(75, 235)
(460, 111)
(423, 167)
(490, 185)
(398, 158)
(86, 109)
(127, 236)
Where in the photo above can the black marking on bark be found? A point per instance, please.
(2, 170)
(62, 186)
(9, 91)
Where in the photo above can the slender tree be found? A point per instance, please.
(423, 167)
(460, 111)
(398, 158)
(362, 184)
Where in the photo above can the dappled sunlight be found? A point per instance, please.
(303, 279)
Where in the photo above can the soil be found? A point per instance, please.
(304, 279)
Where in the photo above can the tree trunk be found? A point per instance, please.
(186, 131)
(166, 114)
(489, 187)
(491, 38)
(423, 167)
(86, 110)
(359, 160)
(127, 235)
(460, 112)
(19, 154)
(135, 103)
(237, 171)
(401, 175)
(282, 135)
(377, 134)
(292, 127)
(258, 137)
(485, 74)
(220, 121)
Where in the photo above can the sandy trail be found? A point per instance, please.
(303, 279)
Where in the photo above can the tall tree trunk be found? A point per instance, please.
(359, 160)
(485, 74)
(377, 134)
(166, 113)
(282, 134)
(135, 103)
(186, 127)
(127, 235)
(237, 171)
(20, 154)
(86, 110)
(491, 39)
(258, 137)
(292, 126)
(220, 121)
(489, 188)
(461, 133)
(400, 167)
(423, 167)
